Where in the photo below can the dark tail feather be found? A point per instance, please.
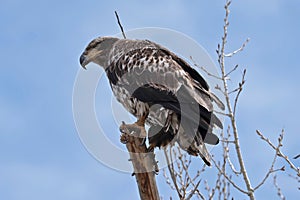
(211, 138)
(217, 101)
(201, 151)
(204, 154)
(215, 120)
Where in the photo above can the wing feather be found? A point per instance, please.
(201, 84)
(154, 75)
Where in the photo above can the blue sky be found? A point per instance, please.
(41, 156)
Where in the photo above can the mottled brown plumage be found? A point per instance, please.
(152, 82)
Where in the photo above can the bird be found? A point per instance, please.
(161, 90)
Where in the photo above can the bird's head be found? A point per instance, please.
(97, 51)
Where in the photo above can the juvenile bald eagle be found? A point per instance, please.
(159, 89)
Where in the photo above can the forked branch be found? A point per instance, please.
(278, 150)
(231, 112)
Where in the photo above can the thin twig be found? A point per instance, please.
(185, 167)
(279, 193)
(221, 113)
(235, 68)
(296, 157)
(210, 74)
(238, 50)
(221, 60)
(213, 191)
(225, 156)
(227, 141)
(171, 171)
(203, 69)
(229, 180)
(168, 179)
(297, 178)
(241, 84)
(217, 87)
(235, 90)
(232, 167)
(194, 190)
(120, 25)
(271, 170)
(279, 152)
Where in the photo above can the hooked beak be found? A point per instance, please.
(83, 61)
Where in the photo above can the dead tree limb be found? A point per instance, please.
(221, 60)
(144, 164)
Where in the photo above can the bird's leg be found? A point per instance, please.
(134, 136)
(136, 129)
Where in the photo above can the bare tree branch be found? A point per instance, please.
(270, 171)
(235, 68)
(172, 172)
(226, 143)
(296, 157)
(221, 113)
(279, 152)
(194, 190)
(229, 179)
(279, 192)
(185, 166)
(168, 179)
(238, 50)
(210, 74)
(182, 180)
(233, 168)
(185, 184)
(221, 60)
(143, 162)
(203, 69)
(120, 25)
(241, 84)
